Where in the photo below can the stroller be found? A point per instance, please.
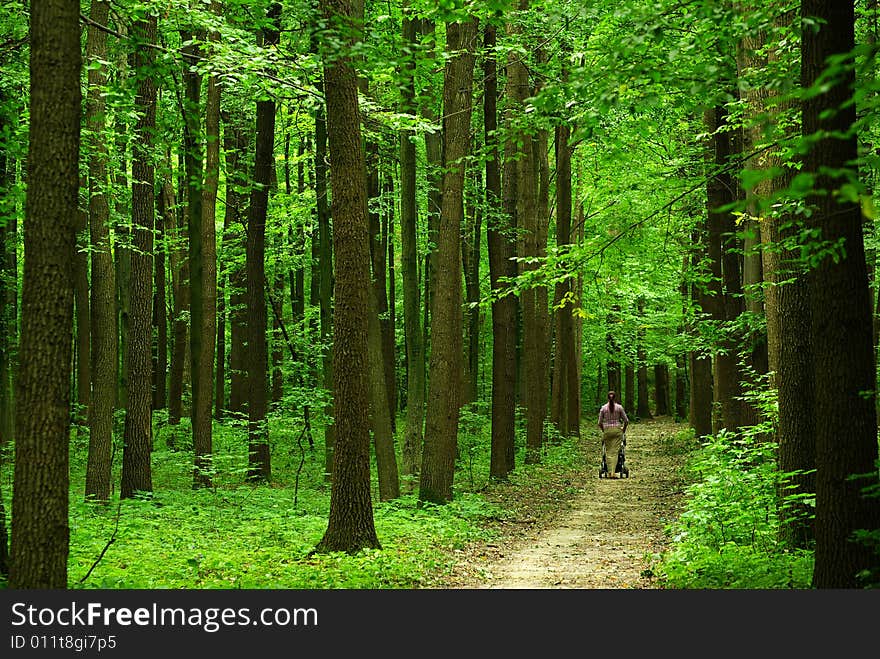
(622, 468)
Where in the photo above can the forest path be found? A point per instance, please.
(604, 537)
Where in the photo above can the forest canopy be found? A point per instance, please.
(353, 259)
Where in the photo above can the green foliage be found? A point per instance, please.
(727, 535)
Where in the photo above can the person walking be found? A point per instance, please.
(613, 422)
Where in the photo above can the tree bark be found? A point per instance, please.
(501, 247)
(40, 530)
(350, 526)
(444, 376)
(203, 287)
(103, 285)
(724, 262)
(136, 470)
(259, 457)
(844, 371)
(565, 376)
(411, 452)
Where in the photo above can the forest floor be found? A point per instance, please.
(582, 531)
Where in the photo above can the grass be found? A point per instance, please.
(240, 535)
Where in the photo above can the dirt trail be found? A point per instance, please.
(603, 538)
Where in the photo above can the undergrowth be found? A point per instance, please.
(727, 536)
(240, 535)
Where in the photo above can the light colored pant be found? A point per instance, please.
(612, 437)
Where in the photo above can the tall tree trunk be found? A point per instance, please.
(136, 471)
(629, 395)
(411, 451)
(724, 262)
(701, 395)
(160, 313)
(8, 300)
(661, 389)
(81, 304)
(643, 406)
(180, 285)
(103, 284)
(40, 530)
(326, 284)
(259, 458)
(565, 375)
(233, 245)
(434, 168)
(844, 371)
(501, 248)
(519, 90)
(444, 376)
(350, 526)
(470, 259)
(203, 287)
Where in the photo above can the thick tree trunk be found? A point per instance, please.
(844, 371)
(103, 283)
(350, 526)
(501, 249)
(444, 376)
(136, 471)
(40, 530)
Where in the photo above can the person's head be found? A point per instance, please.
(612, 398)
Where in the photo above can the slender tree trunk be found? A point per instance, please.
(470, 259)
(701, 395)
(136, 471)
(83, 326)
(844, 370)
(565, 376)
(326, 283)
(160, 313)
(661, 389)
(40, 530)
(724, 262)
(233, 245)
(180, 284)
(434, 166)
(629, 396)
(415, 356)
(8, 304)
(203, 263)
(643, 407)
(441, 425)
(259, 458)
